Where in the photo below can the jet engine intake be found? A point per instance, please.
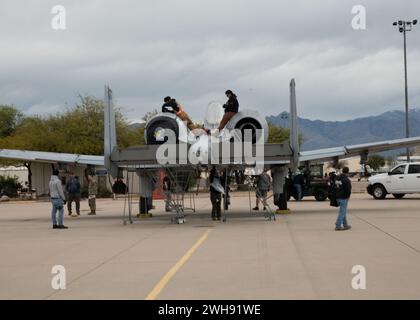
(250, 120)
(160, 127)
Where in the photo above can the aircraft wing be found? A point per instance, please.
(53, 157)
(357, 150)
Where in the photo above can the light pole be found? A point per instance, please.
(403, 27)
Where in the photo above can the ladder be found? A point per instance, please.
(180, 180)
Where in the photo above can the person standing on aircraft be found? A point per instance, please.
(92, 193)
(231, 108)
(173, 106)
(73, 194)
(58, 201)
(215, 194)
(263, 186)
(342, 192)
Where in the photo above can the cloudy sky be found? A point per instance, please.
(196, 49)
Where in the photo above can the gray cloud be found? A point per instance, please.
(195, 50)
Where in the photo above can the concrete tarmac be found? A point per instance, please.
(298, 256)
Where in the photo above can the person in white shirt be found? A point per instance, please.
(58, 201)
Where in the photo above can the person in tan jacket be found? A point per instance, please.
(173, 106)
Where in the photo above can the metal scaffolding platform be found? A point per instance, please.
(180, 183)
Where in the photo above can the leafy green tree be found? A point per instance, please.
(277, 134)
(376, 161)
(9, 185)
(77, 130)
(10, 118)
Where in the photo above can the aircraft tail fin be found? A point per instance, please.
(110, 135)
(294, 135)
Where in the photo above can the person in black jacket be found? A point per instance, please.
(119, 187)
(73, 194)
(231, 108)
(167, 188)
(331, 184)
(342, 193)
(172, 106)
(298, 184)
(215, 195)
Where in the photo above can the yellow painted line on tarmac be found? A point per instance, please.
(168, 276)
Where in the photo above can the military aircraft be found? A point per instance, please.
(200, 147)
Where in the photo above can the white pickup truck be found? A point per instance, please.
(402, 179)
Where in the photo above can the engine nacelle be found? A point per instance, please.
(157, 129)
(160, 126)
(250, 120)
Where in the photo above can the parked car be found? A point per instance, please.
(399, 181)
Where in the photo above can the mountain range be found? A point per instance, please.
(324, 134)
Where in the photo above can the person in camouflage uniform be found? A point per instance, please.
(92, 192)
